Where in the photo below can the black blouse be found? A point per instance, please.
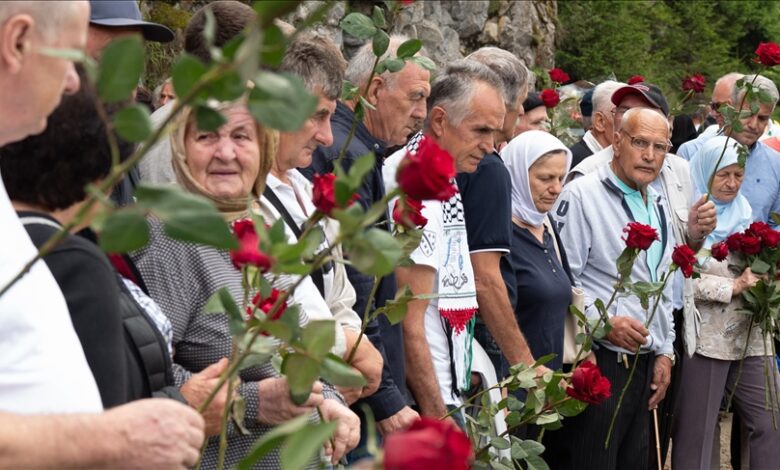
(543, 293)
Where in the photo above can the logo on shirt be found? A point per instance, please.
(428, 243)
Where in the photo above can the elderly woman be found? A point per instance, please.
(229, 167)
(537, 163)
(121, 331)
(722, 334)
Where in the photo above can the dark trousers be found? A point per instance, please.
(579, 444)
(668, 405)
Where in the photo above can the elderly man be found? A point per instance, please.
(619, 192)
(721, 95)
(486, 195)
(692, 221)
(761, 185)
(465, 109)
(600, 134)
(42, 366)
(534, 117)
(399, 99)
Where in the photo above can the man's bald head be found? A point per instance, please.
(722, 94)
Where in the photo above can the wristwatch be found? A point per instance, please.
(671, 357)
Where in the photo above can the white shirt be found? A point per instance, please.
(42, 365)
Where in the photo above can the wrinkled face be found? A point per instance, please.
(545, 179)
(225, 162)
(634, 166)
(469, 141)
(727, 182)
(47, 77)
(167, 94)
(754, 126)
(510, 119)
(533, 120)
(400, 104)
(296, 148)
(721, 95)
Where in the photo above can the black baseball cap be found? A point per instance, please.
(651, 93)
(122, 13)
(586, 103)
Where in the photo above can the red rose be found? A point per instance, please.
(248, 252)
(407, 213)
(588, 385)
(428, 444)
(719, 251)
(550, 98)
(636, 79)
(750, 245)
(428, 173)
(640, 236)
(265, 305)
(559, 76)
(324, 194)
(771, 238)
(734, 242)
(694, 82)
(684, 258)
(758, 229)
(768, 53)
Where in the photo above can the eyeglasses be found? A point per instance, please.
(659, 149)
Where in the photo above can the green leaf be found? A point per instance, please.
(209, 119)
(409, 48)
(121, 65)
(375, 252)
(267, 10)
(500, 443)
(209, 27)
(301, 372)
(775, 217)
(186, 72)
(348, 91)
(393, 64)
(395, 310)
(274, 43)
(378, 17)
(133, 123)
(358, 25)
(200, 228)
(272, 439)
(338, 372)
(238, 413)
(303, 446)
(571, 408)
(380, 43)
(228, 87)
(544, 359)
(319, 336)
(281, 101)
(124, 230)
(535, 462)
(759, 266)
(424, 62)
(532, 447)
(360, 169)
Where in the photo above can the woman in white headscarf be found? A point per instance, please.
(537, 164)
(722, 332)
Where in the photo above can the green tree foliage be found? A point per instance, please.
(662, 40)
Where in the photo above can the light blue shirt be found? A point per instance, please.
(689, 149)
(761, 185)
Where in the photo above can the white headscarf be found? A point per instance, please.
(733, 216)
(518, 156)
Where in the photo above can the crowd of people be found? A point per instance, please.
(117, 346)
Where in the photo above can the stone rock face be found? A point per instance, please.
(452, 29)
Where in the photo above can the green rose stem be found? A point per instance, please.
(355, 119)
(636, 356)
(728, 137)
(366, 319)
(527, 420)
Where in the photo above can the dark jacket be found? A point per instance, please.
(387, 338)
(126, 353)
(579, 152)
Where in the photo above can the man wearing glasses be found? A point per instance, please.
(591, 214)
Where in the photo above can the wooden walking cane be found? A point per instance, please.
(657, 438)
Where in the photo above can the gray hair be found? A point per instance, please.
(48, 22)
(509, 69)
(362, 63)
(318, 62)
(158, 91)
(602, 95)
(453, 89)
(760, 82)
